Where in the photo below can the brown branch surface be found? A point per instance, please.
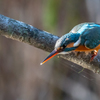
(23, 32)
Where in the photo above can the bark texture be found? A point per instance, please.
(23, 32)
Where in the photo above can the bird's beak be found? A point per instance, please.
(52, 54)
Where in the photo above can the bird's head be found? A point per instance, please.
(64, 44)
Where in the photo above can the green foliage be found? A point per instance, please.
(50, 16)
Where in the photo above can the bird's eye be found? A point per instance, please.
(60, 48)
(64, 45)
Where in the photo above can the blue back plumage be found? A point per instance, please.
(88, 32)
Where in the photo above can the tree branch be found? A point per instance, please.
(20, 31)
(23, 32)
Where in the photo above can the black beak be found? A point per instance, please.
(52, 54)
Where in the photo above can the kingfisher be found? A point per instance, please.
(84, 37)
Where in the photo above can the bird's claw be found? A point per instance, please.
(94, 53)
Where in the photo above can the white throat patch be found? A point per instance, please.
(77, 43)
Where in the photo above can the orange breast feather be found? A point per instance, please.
(82, 48)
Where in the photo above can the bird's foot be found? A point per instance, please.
(94, 53)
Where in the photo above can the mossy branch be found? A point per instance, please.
(23, 32)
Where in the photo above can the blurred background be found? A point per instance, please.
(22, 77)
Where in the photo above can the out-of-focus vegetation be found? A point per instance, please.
(21, 76)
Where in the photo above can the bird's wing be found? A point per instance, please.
(82, 27)
(91, 38)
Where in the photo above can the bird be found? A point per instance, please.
(84, 37)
